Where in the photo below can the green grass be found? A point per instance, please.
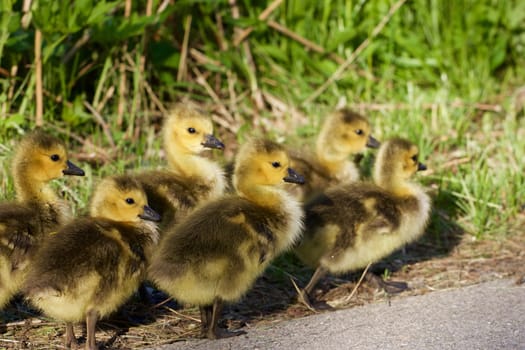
(433, 74)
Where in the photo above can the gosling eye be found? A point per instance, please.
(191, 130)
(414, 158)
(276, 164)
(359, 131)
(55, 157)
(130, 201)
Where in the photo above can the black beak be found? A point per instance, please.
(212, 142)
(149, 214)
(372, 142)
(72, 169)
(421, 167)
(294, 177)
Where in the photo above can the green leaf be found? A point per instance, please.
(14, 21)
(164, 54)
(50, 48)
(99, 12)
(498, 53)
(272, 51)
(13, 121)
(340, 38)
(74, 114)
(516, 16)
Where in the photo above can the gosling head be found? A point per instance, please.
(121, 198)
(263, 163)
(396, 161)
(41, 157)
(189, 131)
(345, 132)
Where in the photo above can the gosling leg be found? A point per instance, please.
(213, 321)
(214, 332)
(304, 294)
(391, 287)
(71, 340)
(206, 312)
(91, 322)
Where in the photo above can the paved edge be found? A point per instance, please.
(489, 315)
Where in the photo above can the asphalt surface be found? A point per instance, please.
(490, 315)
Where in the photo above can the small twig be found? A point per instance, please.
(12, 82)
(298, 290)
(349, 297)
(163, 6)
(154, 98)
(26, 18)
(222, 108)
(183, 68)
(252, 69)
(11, 90)
(303, 41)
(223, 43)
(98, 118)
(23, 323)
(282, 29)
(133, 130)
(182, 315)
(254, 86)
(122, 70)
(149, 7)
(203, 59)
(231, 92)
(262, 17)
(82, 71)
(39, 116)
(122, 93)
(80, 42)
(342, 68)
(162, 303)
(222, 122)
(307, 43)
(107, 96)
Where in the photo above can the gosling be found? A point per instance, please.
(190, 178)
(37, 211)
(91, 266)
(218, 251)
(344, 133)
(350, 226)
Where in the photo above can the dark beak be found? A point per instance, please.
(72, 169)
(212, 142)
(372, 142)
(421, 167)
(149, 214)
(294, 177)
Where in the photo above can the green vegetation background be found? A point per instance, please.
(449, 75)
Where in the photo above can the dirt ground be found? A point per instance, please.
(433, 263)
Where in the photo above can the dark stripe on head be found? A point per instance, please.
(267, 146)
(126, 183)
(397, 144)
(41, 139)
(350, 116)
